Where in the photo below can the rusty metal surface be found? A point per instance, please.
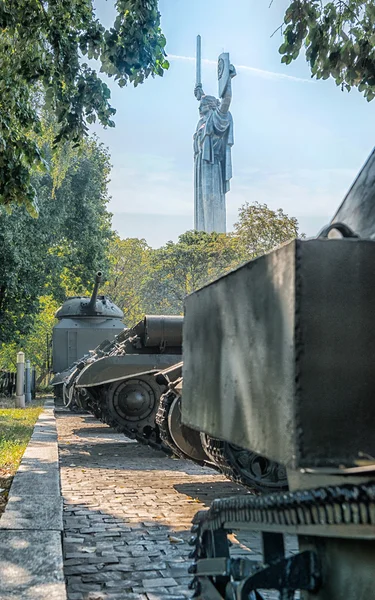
(289, 340)
(358, 207)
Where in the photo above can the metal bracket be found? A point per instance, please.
(300, 572)
(237, 568)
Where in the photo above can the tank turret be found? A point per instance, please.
(84, 322)
(78, 307)
(91, 305)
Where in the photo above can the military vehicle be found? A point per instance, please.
(297, 386)
(237, 463)
(120, 383)
(82, 324)
(117, 381)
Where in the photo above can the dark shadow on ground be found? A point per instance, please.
(206, 491)
(138, 554)
(126, 456)
(96, 430)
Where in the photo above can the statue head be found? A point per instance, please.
(207, 104)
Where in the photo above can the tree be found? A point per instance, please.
(130, 267)
(41, 45)
(259, 229)
(177, 269)
(144, 280)
(36, 343)
(61, 250)
(339, 38)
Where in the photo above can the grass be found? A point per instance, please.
(16, 427)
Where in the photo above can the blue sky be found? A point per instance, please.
(298, 143)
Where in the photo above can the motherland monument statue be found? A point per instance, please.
(213, 140)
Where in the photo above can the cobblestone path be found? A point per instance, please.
(127, 514)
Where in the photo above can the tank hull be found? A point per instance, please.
(291, 341)
(73, 338)
(115, 368)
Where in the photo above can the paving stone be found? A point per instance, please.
(159, 582)
(130, 498)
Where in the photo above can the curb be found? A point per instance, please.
(31, 558)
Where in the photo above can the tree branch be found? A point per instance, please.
(276, 30)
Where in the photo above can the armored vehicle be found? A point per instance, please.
(117, 381)
(297, 386)
(82, 324)
(238, 464)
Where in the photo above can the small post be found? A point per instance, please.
(28, 383)
(20, 396)
(33, 383)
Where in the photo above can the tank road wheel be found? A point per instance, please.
(182, 440)
(131, 406)
(245, 467)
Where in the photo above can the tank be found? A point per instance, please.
(117, 381)
(292, 335)
(237, 463)
(83, 323)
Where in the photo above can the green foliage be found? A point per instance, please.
(35, 343)
(259, 229)
(129, 270)
(338, 38)
(177, 269)
(62, 249)
(41, 45)
(155, 281)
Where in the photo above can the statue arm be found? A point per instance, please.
(198, 91)
(227, 97)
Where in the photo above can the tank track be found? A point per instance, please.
(165, 404)
(100, 410)
(218, 450)
(159, 438)
(335, 510)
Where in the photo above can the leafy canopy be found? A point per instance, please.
(130, 267)
(259, 229)
(178, 269)
(59, 252)
(43, 45)
(144, 280)
(338, 38)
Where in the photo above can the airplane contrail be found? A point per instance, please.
(257, 72)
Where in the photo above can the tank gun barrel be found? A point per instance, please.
(94, 295)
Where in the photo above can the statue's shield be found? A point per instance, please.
(223, 72)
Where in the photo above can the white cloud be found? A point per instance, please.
(254, 71)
